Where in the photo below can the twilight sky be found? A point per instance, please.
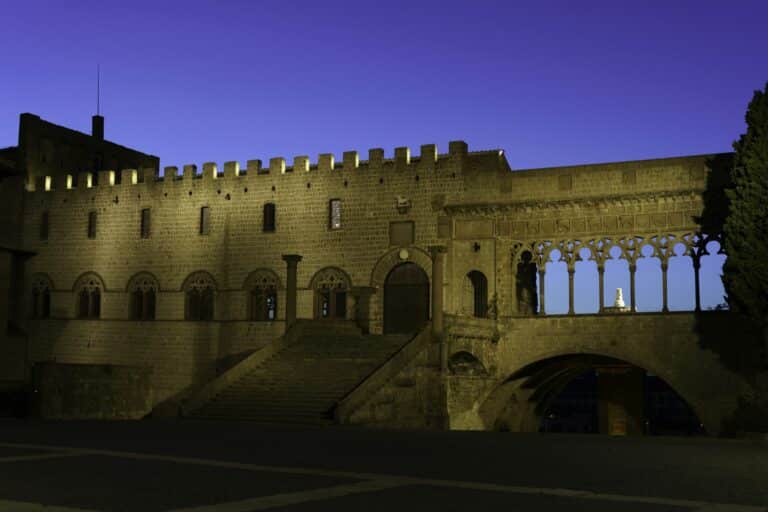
(552, 83)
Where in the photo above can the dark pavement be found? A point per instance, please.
(158, 465)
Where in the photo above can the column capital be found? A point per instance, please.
(292, 258)
(435, 250)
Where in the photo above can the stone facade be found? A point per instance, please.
(501, 225)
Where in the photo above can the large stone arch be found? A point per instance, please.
(381, 269)
(525, 393)
(667, 345)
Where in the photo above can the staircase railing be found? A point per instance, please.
(240, 370)
(383, 374)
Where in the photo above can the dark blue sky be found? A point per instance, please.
(552, 84)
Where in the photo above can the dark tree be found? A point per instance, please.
(745, 275)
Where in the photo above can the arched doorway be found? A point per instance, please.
(477, 294)
(406, 299)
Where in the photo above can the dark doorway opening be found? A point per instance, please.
(406, 299)
(479, 293)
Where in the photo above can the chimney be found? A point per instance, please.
(97, 127)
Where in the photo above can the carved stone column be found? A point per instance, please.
(601, 286)
(438, 268)
(542, 310)
(697, 284)
(571, 272)
(632, 303)
(292, 261)
(664, 293)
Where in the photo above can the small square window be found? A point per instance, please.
(334, 214)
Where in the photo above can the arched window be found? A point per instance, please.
(262, 288)
(199, 293)
(89, 288)
(143, 289)
(331, 286)
(479, 285)
(41, 296)
(269, 217)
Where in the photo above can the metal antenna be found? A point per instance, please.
(98, 90)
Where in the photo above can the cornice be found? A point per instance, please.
(495, 208)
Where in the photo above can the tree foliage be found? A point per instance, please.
(745, 275)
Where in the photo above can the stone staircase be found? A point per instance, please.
(303, 382)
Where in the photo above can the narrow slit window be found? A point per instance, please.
(145, 222)
(92, 225)
(44, 226)
(269, 217)
(205, 220)
(334, 214)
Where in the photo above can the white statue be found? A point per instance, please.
(619, 303)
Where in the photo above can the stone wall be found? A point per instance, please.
(469, 201)
(182, 355)
(91, 391)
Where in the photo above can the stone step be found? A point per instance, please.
(243, 401)
(266, 411)
(288, 411)
(276, 419)
(304, 381)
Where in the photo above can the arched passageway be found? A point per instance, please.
(590, 394)
(406, 299)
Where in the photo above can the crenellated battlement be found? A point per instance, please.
(326, 163)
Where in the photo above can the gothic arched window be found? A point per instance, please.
(331, 286)
(41, 296)
(262, 288)
(199, 293)
(89, 289)
(143, 289)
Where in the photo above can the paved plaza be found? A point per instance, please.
(238, 466)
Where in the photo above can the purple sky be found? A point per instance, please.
(553, 84)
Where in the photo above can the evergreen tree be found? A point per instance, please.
(745, 274)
